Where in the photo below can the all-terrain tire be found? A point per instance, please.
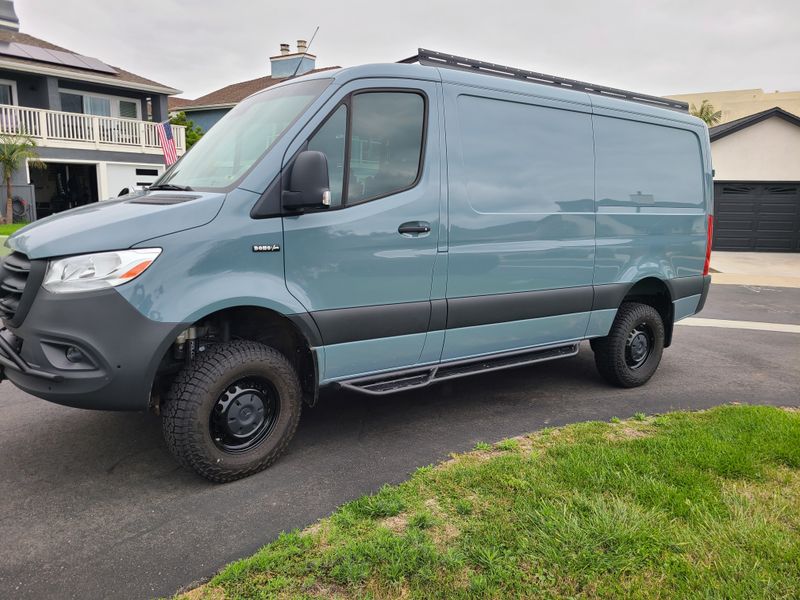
(198, 390)
(619, 356)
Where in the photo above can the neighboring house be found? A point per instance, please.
(736, 104)
(757, 182)
(206, 110)
(94, 124)
(755, 152)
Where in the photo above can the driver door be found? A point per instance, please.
(363, 267)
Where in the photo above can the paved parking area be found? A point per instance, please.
(94, 507)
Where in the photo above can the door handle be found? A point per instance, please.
(414, 228)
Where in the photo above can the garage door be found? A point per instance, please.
(757, 216)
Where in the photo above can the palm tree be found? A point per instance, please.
(706, 112)
(15, 150)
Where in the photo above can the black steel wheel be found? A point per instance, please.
(638, 346)
(244, 414)
(233, 411)
(631, 352)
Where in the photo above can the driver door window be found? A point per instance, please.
(378, 152)
(330, 140)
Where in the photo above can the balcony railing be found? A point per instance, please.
(64, 129)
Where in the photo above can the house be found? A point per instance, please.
(757, 182)
(736, 104)
(755, 152)
(94, 124)
(206, 110)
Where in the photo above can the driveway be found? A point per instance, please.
(94, 507)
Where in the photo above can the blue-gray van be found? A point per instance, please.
(377, 228)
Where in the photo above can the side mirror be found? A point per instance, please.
(308, 182)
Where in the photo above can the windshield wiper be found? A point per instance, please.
(170, 186)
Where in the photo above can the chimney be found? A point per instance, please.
(8, 16)
(289, 63)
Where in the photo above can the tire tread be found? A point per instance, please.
(184, 432)
(609, 351)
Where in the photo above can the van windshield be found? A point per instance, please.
(228, 150)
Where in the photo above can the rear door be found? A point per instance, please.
(363, 268)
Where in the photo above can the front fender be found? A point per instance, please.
(213, 267)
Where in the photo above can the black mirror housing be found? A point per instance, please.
(309, 186)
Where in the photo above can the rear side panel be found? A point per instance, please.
(653, 177)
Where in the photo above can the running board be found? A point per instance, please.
(409, 379)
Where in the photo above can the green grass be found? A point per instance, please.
(685, 505)
(7, 229)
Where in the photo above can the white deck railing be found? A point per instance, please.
(56, 128)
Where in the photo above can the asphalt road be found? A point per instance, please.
(94, 507)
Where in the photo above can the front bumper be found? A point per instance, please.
(121, 350)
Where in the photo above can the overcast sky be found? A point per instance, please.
(650, 46)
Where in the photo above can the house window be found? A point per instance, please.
(71, 102)
(99, 105)
(94, 105)
(8, 91)
(128, 109)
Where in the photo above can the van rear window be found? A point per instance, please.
(642, 164)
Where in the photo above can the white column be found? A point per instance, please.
(43, 125)
(96, 131)
(102, 181)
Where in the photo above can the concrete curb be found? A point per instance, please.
(755, 280)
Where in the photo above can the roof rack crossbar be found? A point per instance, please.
(433, 58)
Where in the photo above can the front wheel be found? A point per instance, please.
(630, 353)
(233, 411)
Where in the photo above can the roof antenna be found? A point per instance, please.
(300, 62)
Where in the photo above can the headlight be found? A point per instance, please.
(97, 271)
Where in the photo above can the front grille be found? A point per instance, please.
(16, 273)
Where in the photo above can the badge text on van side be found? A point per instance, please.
(266, 248)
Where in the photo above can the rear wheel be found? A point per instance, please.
(631, 352)
(233, 411)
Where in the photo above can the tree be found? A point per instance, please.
(193, 132)
(15, 150)
(706, 113)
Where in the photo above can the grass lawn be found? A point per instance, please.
(8, 229)
(689, 505)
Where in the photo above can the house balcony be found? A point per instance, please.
(57, 129)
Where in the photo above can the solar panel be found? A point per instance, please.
(37, 53)
(55, 57)
(68, 59)
(11, 49)
(97, 65)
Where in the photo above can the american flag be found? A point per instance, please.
(167, 142)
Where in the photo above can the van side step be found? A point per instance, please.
(408, 379)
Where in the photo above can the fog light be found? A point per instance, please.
(74, 355)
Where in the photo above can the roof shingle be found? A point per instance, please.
(236, 92)
(720, 131)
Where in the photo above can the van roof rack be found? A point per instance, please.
(433, 58)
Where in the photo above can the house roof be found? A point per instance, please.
(236, 92)
(720, 131)
(176, 103)
(122, 78)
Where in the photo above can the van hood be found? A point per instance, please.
(115, 224)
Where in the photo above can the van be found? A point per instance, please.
(377, 228)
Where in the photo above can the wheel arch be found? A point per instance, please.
(657, 293)
(296, 336)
